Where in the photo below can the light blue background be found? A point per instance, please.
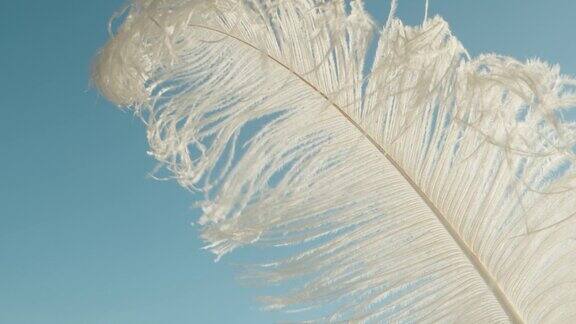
(85, 236)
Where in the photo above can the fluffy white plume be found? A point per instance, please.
(437, 188)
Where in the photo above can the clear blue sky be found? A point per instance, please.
(85, 236)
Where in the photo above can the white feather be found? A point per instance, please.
(437, 188)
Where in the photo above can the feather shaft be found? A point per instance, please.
(490, 281)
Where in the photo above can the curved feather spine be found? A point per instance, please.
(474, 259)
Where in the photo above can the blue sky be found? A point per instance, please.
(85, 236)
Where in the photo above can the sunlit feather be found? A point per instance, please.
(437, 188)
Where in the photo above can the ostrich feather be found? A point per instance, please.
(433, 188)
